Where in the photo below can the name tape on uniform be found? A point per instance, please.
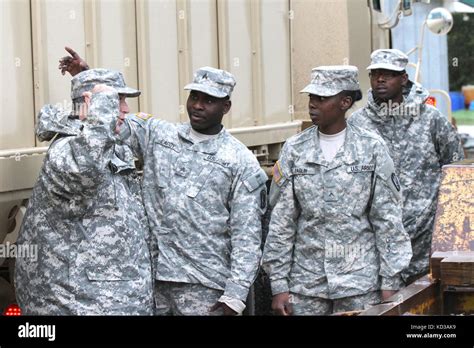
(214, 159)
(361, 168)
(297, 170)
(167, 144)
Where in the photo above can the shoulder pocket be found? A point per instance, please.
(256, 180)
(387, 173)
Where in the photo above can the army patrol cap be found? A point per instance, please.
(389, 59)
(327, 81)
(215, 82)
(86, 80)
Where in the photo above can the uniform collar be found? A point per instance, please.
(346, 155)
(210, 146)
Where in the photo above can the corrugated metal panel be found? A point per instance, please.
(157, 44)
(101, 31)
(158, 57)
(254, 46)
(203, 42)
(174, 39)
(56, 23)
(277, 100)
(16, 82)
(116, 45)
(320, 36)
(238, 60)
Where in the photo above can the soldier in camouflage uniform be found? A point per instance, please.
(86, 213)
(335, 235)
(420, 141)
(205, 195)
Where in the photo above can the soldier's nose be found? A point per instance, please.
(198, 105)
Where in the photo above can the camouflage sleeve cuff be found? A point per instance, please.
(391, 283)
(279, 286)
(234, 290)
(104, 108)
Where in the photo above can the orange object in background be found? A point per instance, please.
(468, 92)
(431, 100)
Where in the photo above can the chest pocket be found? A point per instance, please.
(358, 192)
(198, 183)
(210, 185)
(165, 153)
(308, 189)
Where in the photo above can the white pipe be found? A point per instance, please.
(255, 129)
(23, 152)
(420, 53)
(15, 195)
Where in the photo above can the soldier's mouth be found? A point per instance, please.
(314, 117)
(196, 117)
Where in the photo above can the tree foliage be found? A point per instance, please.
(461, 51)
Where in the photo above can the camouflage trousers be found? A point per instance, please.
(185, 299)
(306, 305)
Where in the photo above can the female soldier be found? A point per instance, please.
(335, 236)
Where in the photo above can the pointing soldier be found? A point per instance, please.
(86, 213)
(420, 141)
(335, 235)
(205, 195)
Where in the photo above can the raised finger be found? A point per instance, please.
(72, 52)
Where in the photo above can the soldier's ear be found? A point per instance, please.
(227, 105)
(404, 79)
(346, 103)
(84, 106)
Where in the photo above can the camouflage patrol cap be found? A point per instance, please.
(86, 80)
(327, 81)
(216, 82)
(389, 59)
